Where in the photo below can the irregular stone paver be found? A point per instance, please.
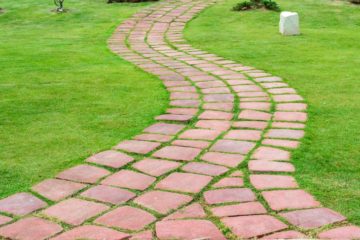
(285, 133)
(111, 158)
(108, 194)
(194, 210)
(254, 115)
(347, 232)
(226, 159)
(270, 166)
(230, 146)
(281, 143)
(250, 124)
(165, 128)
(229, 195)
(155, 167)
(264, 181)
(285, 235)
(21, 204)
(250, 135)
(56, 189)
(289, 199)
(184, 182)
(177, 153)
(4, 219)
(75, 211)
(129, 179)
(191, 143)
(250, 208)
(31, 228)
(91, 232)
(215, 115)
(162, 202)
(200, 134)
(187, 230)
(153, 137)
(312, 218)
(253, 226)
(84, 174)
(269, 153)
(126, 218)
(204, 168)
(146, 235)
(136, 146)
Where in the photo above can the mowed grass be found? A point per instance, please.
(323, 64)
(64, 95)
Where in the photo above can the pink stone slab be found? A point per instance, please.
(92, 232)
(111, 158)
(241, 209)
(21, 204)
(56, 189)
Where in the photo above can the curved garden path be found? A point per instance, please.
(215, 166)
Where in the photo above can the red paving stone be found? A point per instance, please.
(231, 146)
(187, 230)
(200, 134)
(218, 98)
(313, 218)
(177, 153)
(288, 125)
(229, 195)
(264, 181)
(84, 174)
(289, 199)
(4, 219)
(346, 232)
(111, 158)
(75, 211)
(227, 106)
(136, 146)
(184, 182)
(281, 143)
(21, 204)
(250, 135)
(287, 98)
(270, 166)
(93, 233)
(155, 167)
(237, 174)
(126, 217)
(56, 189)
(250, 124)
(184, 111)
(153, 137)
(291, 107)
(215, 115)
(263, 106)
(285, 133)
(108, 194)
(286, 235)
(191, 143)
(241, 209)
(162, 202)
(214, 124)
(226, 159)
(194, 210)
(204, 168)
(253, 226)
(165, 128)
(290, 116)
(229, 182)
(129, 179)
(31, 228)
(185, 103)
(270, 153)
(254, 115)
(146, 235)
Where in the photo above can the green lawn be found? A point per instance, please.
(323, 64)
(64, 95)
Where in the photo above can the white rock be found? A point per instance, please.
(289, 23)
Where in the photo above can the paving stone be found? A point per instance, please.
(269, 153)
(136, 146)
(55, 189)
(210, 84)
(285, 133)
(177, 153)
(154, 137)
(288, 125)
(250, 124)
(254, 115)
(313, 218)
(146, 235)
(273, 84)
(31, 228)
(246, 88)
(182, 89)
(255, 99)
(291, 107)
(282, 90)
(129, 179)
(191, 143)
(291, 234)
(155, 167)
(237, 174)
(204, 168)
(220, 106)
(229, 195)
(83, 173)
(184, 95)
(4, 219)
(263, 106)
(226, 159)
(187, 230)
(241, 209)
(108, 194)
(21, 204)
(290, 116)
(194, 210)
(346, 232)
(252, 94)
(215, 115)
(253, 226)
(92, 232)
(268, 79)
(200, 134)
(229, 182)
(185, 103)
(126, 217)
(165, 128)
(231, 146)
(184, 182)
(162, 202)
(281, 143)
(250, 135)
(264, 181)
(287, 98)
(216, 90)
(289, 199)
(258, 74)
(184, 111)
(218, 98)
(238, 82)
(75, 211)
(111, 158)
(214, 124)
(270, 166)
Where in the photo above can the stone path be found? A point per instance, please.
(215, 166)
